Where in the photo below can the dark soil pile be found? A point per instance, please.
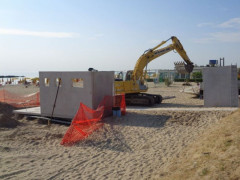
(6, 116)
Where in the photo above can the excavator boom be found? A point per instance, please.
(154, 53)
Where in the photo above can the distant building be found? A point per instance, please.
(173, 74)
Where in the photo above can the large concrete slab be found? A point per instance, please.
(191, 109)
(91, 90)
(35, 111)
(220, 86)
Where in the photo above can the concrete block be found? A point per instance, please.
(220, 86)
(239, 101)
(86, 87)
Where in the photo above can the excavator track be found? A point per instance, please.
(142, 99)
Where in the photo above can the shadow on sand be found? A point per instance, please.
(113, 134)
(164, 105)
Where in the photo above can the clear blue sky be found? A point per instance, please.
(73, 35)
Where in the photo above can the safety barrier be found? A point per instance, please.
(119, 101)
(86, 120)
(18, 101)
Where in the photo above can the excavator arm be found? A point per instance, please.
(154, 53)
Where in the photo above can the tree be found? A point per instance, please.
(168, 82)
(197, 75)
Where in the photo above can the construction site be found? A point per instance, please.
(107, 125)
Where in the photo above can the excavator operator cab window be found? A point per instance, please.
(129, 75)
(119, 76)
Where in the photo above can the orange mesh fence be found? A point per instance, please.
(107, 104)
(31, 100)
(87, 120)
(119, 101)
(83, 124)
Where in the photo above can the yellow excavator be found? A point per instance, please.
(132, 84)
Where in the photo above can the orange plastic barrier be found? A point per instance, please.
(119, 101)
(31, 100)
(83, 124)
(87, 120)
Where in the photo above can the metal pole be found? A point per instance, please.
(49, 121)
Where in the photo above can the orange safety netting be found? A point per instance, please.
(31, 100)
(87, 120)
(119, 101)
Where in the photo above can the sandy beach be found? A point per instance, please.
(135, 146)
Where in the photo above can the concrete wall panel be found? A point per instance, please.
(102, 80)
(220, 86)
(69, 97)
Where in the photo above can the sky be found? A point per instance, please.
(73, 35)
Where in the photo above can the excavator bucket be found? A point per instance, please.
(183, 68)
(189, 67)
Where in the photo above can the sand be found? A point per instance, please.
(135, 146)
(214, 155)
(20, 89)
